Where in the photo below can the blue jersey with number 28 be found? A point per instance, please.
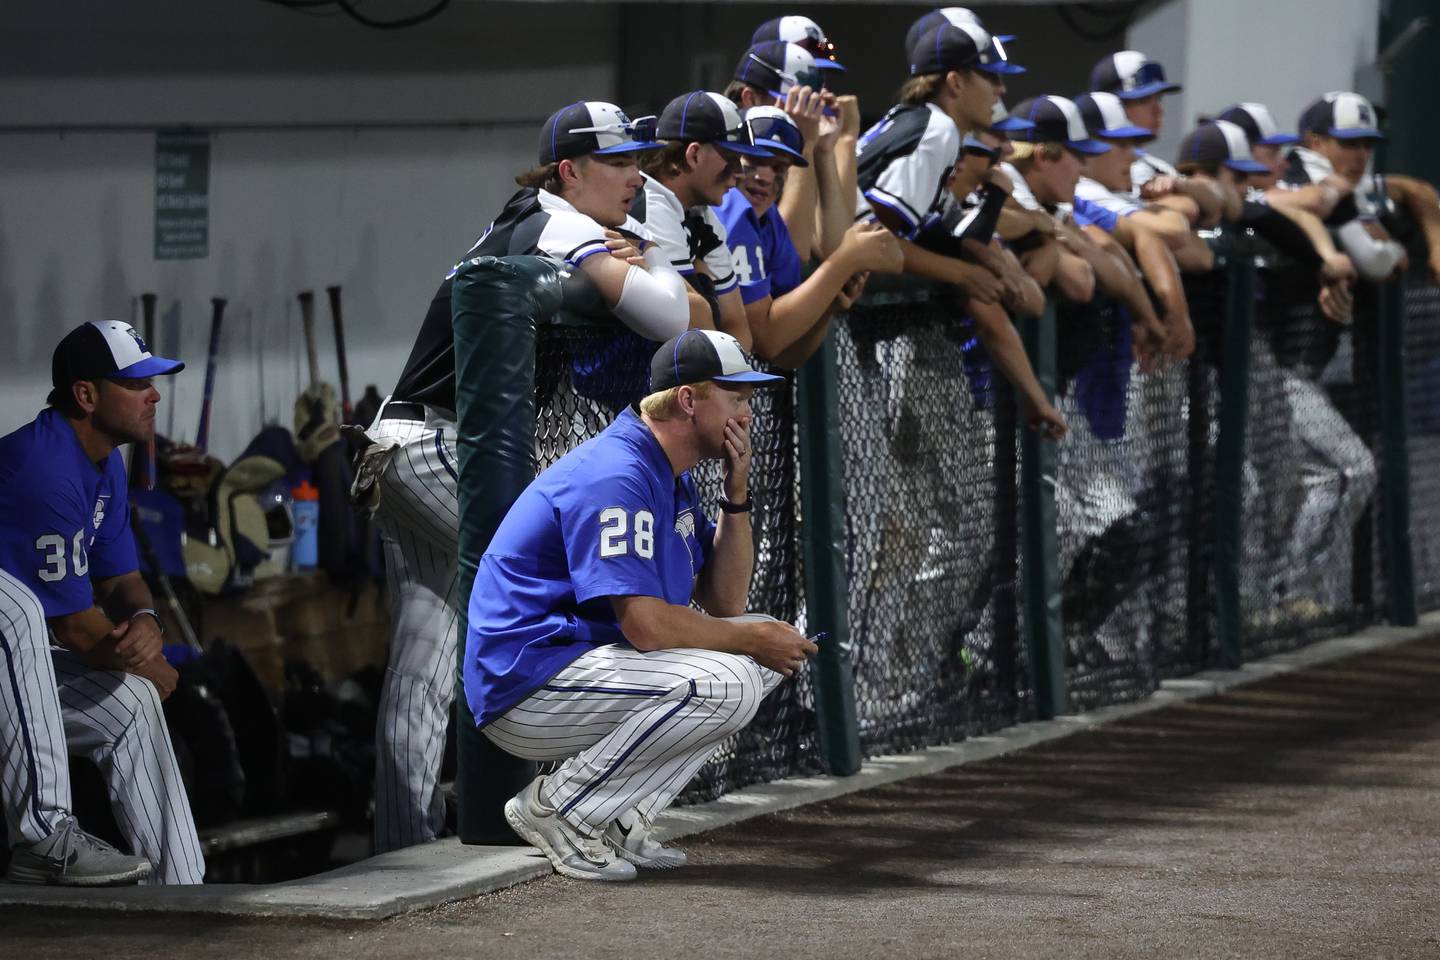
(609, 519)
(63, 518)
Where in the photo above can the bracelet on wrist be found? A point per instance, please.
(729, 507)
(154, 613)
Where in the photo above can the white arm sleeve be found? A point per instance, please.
(1375, 259)
(654, 303)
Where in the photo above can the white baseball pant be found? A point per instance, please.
(418, 517)
(52, 703)
(632, 728)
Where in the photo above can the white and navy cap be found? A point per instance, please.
(803, 32)
(699, 355)
(593, 126)
(705, 117)
(775, 66)
(1003, 123)
(1259, 126)
(1222, 141)
(772, 128)
(964, 46)
(1130, 75)
(1104, 116)
(1057, 120)
(1343, 115)
(954, 16)
(104, 350)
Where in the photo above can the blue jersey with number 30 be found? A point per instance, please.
(63, 518)
(609, 519)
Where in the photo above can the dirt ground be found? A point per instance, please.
(1299, 817)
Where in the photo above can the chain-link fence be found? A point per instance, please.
(1422, 367)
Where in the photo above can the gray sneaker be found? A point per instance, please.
(571, 853)
(629, 836)
(73, 858)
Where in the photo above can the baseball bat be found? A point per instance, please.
(147, 471)
(202, 434)
(307, 320)
(167, 589)
(346, 411)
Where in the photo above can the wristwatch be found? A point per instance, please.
(154, 613)
(729, 507)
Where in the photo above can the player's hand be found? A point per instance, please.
(831, 123)
(869, 246)
(737, 457)
(137, 641)
(1157, 187)
(1337, 303)
(1337, 266)
(779, 646)
(622, 247)
(1179, 338)
(998, 178)
(805, 106)
(1044, 419)
(849, 293)
(979, 284)
(160, 673)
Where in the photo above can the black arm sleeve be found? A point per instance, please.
(1284, 234)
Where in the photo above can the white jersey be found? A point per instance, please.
(664, 218)
(1147, 167)
(1022, 194)
(572, 236)
(1102, 196)
(904, 162)
(1370, 193)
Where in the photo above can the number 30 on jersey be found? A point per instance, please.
(618, 535)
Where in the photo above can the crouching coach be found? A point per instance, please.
(582, 645)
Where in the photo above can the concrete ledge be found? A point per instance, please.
(440, 872)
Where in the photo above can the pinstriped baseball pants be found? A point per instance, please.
(51, 704)
(418, 517)
(632, 728)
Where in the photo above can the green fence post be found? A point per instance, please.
(822, 506)
(1239, 322)
(1395, 548)
(1039, 554)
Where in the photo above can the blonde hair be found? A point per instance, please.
(665, 404)
(1025, 153)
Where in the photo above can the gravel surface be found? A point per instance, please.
(1292, 818)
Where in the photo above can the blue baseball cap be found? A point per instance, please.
(772, 128)
(804, 33)
(593, 126)
(1259, 125)
(965, 46)
(705, 117)
(104, 350)
(1130, 75)
(777, 65)
(699, 355)
(1057, 120)
(1104, 116)
(1001, 122)
(1343, 115)
(1222, 141)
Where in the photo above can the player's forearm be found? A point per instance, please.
(1163, 274)
(835, 208)
(934, 266)
(121, 596)
(723, 586)
(88, 634)
(732, 319)
(649, 623)
(796, 313)
(797, 206)
(1423, 203)
(1007, 352)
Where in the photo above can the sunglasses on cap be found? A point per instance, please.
(821, 49)
(811, 78)
(642, 129)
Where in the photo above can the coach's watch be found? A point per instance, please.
(154, 613)
(729, 507)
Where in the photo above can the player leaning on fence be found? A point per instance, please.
(582, 644)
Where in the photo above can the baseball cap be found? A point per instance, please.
(1130, 75)
(772, 128)
(1104, 116)
(951, 15)
(1223, 141)
(699, 355)
(965, 46)
(104, 350)
(973, 145)
(705, 117)
(803, 32)
(1259, 126)
(1343, 115)
(1057, 120)
(1002, 122)
(776, 66)
(593, 126)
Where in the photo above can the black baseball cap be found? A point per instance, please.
(104, 350)
(1222, 141)
(1259, 126)
(593, 126)
(776, 65)
(704, 117)
(963, 46)
(1104, 116)
(1130, 75)
(1342, 115)
(803, 32)
(699, 355)
(942, 15)
(1056, 120)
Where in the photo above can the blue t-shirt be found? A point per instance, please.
(1089, 212)
(63, 518)
(766, 262)
(609, 519)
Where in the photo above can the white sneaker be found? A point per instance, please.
(73, 858)
(571, 853)
(629, 836)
